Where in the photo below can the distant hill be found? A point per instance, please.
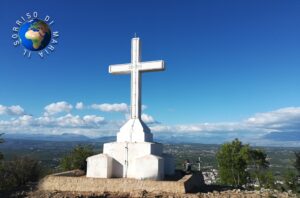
(68, 137)
(283, 136)
(270, 139)
(65, 137)
(105, 139)
(187, 139)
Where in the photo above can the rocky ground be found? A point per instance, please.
(236, 193)
(224, 194)
(31, 191)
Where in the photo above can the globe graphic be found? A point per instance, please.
(35, 35)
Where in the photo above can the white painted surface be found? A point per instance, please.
(99, 166)
(149, 167)
(134, 128)
(134, 155)
(125, 154)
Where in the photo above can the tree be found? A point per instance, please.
(266, 179)
(291, 180)
(257, 165)
(297, 162)
(232, 162)
(76, 159)
(291, 176)
(239, 164)
(1, 141)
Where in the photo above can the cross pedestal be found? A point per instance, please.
(134, 154)
(135, 130)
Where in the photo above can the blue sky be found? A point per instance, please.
(227, 62)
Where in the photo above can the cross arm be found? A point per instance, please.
(152, 66)
(119, 69)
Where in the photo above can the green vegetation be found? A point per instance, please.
(258, 167)
(232, 158)
(266, 179)
(76, 159)
(290, 180)
(1, 141)
(240, 164)
(292, 176)
(18, 172)
(297, 162)
(268, 167)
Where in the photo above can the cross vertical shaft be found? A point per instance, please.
(134, 130)
(135, 109)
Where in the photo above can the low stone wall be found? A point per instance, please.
(72, 181)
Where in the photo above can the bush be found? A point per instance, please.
(76, 159)
(266, 179)
(1, 141)
(297, 162)
(291, 180)
(18, 172)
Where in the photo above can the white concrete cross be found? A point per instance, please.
(136, 67)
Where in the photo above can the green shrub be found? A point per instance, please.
(18, 172)
(76, 159)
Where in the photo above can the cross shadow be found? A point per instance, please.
(118, 169)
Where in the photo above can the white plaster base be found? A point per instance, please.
(149, 167)
(139, 160)
(126, 153)
(99, 166)
(134, 130)
(133, 155)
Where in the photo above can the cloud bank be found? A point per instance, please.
(15, 110)
(60, 117)
(57, 107)
(121, 107)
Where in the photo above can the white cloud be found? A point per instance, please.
(144, 107)
(117, 107)
(12, 110)
(201, 127)
(69, 121)
(280, 119)
(24, 120)
(79, 105)
(16, 110)
(57, 107)
(30, 124)
(45, 121)
(3, 110)
(285, 119)
(93, 119)
(147, 118)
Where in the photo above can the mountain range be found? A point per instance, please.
(273, 138)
